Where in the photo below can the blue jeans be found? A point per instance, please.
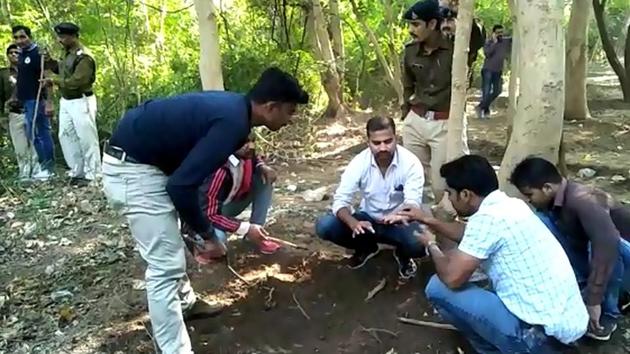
(42, 140)
(330, 228)
(491, 86)
(259, 197)
(486, 323)
(580, 261)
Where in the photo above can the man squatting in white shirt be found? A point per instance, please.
(389, 178)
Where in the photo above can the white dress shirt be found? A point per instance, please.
(402, 183)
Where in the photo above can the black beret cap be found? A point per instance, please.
(423, 10)
(67, 28)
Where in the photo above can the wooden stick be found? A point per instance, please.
(300, 307)
(287, 243)
(380, 286)
(370, 330)
(415, 322)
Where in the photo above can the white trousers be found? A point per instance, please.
(78, 137)
(139, 192)
(25, 154)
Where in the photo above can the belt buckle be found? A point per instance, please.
(430, 115)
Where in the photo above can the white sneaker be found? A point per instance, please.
(43, 175)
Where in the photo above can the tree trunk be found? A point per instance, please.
(395, 82)
(457, 143)
(576, 70)
(210, 54)
(599, 7)
(513, 90)
(538, 120)
(337, 41)
(324, 53)
(391, 22)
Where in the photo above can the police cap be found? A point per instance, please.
(423, 10)
(67, 28)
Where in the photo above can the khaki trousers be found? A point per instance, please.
(139, 192)
(78, 137)
(25, 154)
(427, 140)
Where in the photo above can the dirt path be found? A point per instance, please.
(72, 282)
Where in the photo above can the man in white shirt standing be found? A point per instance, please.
(534, 304)
(389, 178)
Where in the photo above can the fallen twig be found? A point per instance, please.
(269, 303)
(415, 322)
(374, 332)
(380, 286)
(240, 277)
(287, 243)
(300, 307)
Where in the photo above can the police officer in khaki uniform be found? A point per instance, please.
(77, 107)
(427, 63)
(25, 154)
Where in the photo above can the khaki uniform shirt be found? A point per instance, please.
(427, 77)
(77, 73)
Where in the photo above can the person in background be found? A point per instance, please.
(533, 304)
(159, 155)
(594, 230)
(427, 65)
(78, 134)
(25, 154)
(37, 123)
(496, 49)
(388, 178)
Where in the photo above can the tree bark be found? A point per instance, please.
(210, 51)
(324, 52)
(337, 40)
(539, 113)
(457, 143)
(513, 90)
(599, 7)
(576, 106)
(395, 82)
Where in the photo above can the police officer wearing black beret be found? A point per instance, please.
(77, 107)
(427, 63)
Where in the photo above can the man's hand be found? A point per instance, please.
(395, 218)
(257, 234)
(269, 175)
(412, 214)
(361, 227)
(594, 312)
(426, 237)
(49, 108)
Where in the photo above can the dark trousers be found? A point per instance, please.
(491, 86)
(331, 228)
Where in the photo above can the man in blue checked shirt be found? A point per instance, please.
(534, 304)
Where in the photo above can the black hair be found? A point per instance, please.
(377, 123)
(277, 85)
(534, 172)
(496, 27)
(15, 29)
(11, 46)
(471, 172)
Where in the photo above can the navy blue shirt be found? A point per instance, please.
(188, 137)
(29, 71)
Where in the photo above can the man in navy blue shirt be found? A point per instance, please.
(158, 156)
(28, 85)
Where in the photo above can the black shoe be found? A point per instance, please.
(407, 269)
(359, 258)
(609, 325)
(202, 309)
(79, 182)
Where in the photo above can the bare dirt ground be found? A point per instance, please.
(71, 281)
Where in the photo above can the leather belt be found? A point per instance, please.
(429, 115)
(118, 153)
(74, 97)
